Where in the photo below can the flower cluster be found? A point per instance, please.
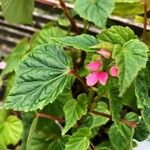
(96, 74)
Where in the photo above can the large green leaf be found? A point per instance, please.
(121, 137)
(133, 54)
(83, 41)
(79, 140)
(42, 133)
(44, 36)
(10, 129)
(14, 58)
(117, 35)
(18, 11)
(96, 11)
(74, 110)
(41, 77)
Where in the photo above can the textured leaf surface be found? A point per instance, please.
(10, 130)
(133, 54)
(141, 91)
(128, 7)
(117, 35)
(96, 11)
(14, 58)
(41, 77)
(44, 36)
(42, 133)
(79, 140)
(18, 11)
(115, 104)
(83, 41)
(96, 120)
(74, 110)
(121, 137)
(58, 144)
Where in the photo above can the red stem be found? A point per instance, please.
(145, 21)
(41, 115)
(131, 124)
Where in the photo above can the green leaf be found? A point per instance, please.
(18, 11)
(133, 54)
(83, 42)
(96, 120)
(141, 132)
(11, 129)
(42, 133)
(96, 11)
(27, 119)
(132, 116)
(41, 77)
(128, 8)
(74, 110)
(58, 144)
(121, 137)
(14, 58)
(45, 35)
(115, 104)
(79, 140)
(117, 35)
(141, 91)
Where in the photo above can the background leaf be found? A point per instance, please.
(90, 10)
(41, 77)
(14, 58)
(18, 11)
(42, 133)
(10, 129)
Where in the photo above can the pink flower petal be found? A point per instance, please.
(104, 53)
(94, 65)
(92, 78)
(2, 65)
(103, 77)
(114, 72)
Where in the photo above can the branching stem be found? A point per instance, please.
(131, 124)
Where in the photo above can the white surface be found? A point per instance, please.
(145, 145)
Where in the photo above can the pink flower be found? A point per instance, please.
(104, 53)
(114, 72)
(95, 77)
(2, 65)
(94, 65)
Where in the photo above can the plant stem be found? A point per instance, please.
(145, 21)
(73, 72)
(41, 115)
(131, 124)
(69, 16)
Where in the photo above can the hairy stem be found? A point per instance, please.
(131, 124)
(145, 21)
(42, 115)
(69, 16)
